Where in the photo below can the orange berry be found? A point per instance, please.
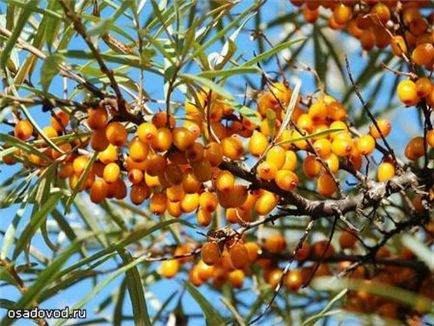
(210, 253)
(59, 120)
(322, 249)
(159, 120)
(203, 217)
(108, 155)
(66, 170)
(235, 197)
(266, 170)
(286, 180)
(194, 278)
(98, 191)
(311, 167)
(303, 252)
(156, 165)
(366, 144)
(208, 201)
(139, 193)
(111, 172)
(430, 137)
(232, 147)
(190, 182)
(266, 202)
(367, 39)
(195, 152)
(182, 138)
(415, 148)
(162, 140)
(300, 144)
(384, 128)
(304, 122)
(80, 163)
(174, 208)
(399, 46)
(173, 174)
(347, 240)
(323, 147)
(310, 16)
(258, 143)
(224, 181)
(98, 140)
(342, 147)
(202, 170)
(423, 87)
(214, 153)
(97, 118)
(116, 133)
(386, 170)
(290, 161)
(236, 278)
(294, 280)
(169, 268)
(326, 185)
(342, 14)
(190, 202)
(276, 155)
(407, 92)
(239, 255)
(253, 250)
(158, 203)
(274, 277)
(275, 243)
(147, 132)
(135, 176)
(381, 13)
(332, 162)
(423, 54)
(23, 130)
(138, 150)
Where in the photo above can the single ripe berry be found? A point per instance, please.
(116, 133)
(326, 185)
(97, 118)
(290, 161)
(253, 250)
(342, 14)
(294, 280)
(323, 147)
(235, 197)
(239, 255)
(182, 138)
(274, 276)
(23, 130)
(266, 202)
(146, 132)
(322, 249)
(111, 172)
(384, 128)
(275, 243)
(224, 181)
(202, 170)
(139, 193)
(266, 170)
(386, 170)
(407, 92)
(258, 143)
(169, 268)
(173, 174)
(138, 150)
(232, 147)
(423, 54)
(190, 202)
(208, 201)
(303, 252)
(160, 120)
(108, 155)
(162, 140)
(98, 140)
(424, 87)
(342, 147)
(214, 153)
(311, 167)
(98, 191)
(399, 46)
(158, 203)
(80, 163)
(135, 176)
(347, 240)
(203, 217)
(366, 144)
(190, 182)
(276, 155)
(415, 148)
(210, 253)
(380, 13)
(236, 278)
(195, 152)
(286, 180)
(59, 120)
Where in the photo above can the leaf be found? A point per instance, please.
(18, 27)
(229, 72)
(317, 134)
(248, 113)
(49, 69)
(290, 108)
(35, 222)
(326, 310)
(212, 317)
(9, 236)
(208, 83)
(419, 249)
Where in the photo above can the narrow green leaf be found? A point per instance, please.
(317, 134)
(208, 83)
(49, 69)
(323, 313)
(419, 249)
(229, 72)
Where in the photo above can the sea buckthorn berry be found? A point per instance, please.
(80, 163)
(139, 193)
(208, 201)
(298, 140)
(424, 87)
(274, 276)
(275, 243)
(322, 249)
(384, 128)
(203, 217)
(194, 278)
(98, 140)
(311, 167)
(169, 268)
(195, 152)
(258, 143)
(430, 137)
(265, 203)
(224, 181)
(399, 46)
(163, 139)
(423, 54)
(214, 153)
(174, 208)
(98, 191)
(276, 155)
(286, 180)
(266, 170)
(156, 165)
(116, 133)
(336, 111)
(23, 129)
(303, 252)
(110, 154)
(146, 132)
(347, 240)
(253, 250)
(138, 150)
(173, 174)
(318, 112)
(135, 176)
(190, 202)
(236, 278)
(326, 185)
(290, 161)
(182, 138)
(323, 147)
(333, 24)
(49, 132)
(232, 147)
(175, 193)
(415, 148)
(119, 189)
(202, 170)
(381, 12)
(304, 122)
(160, 120)
(158, 203)
(332, 162)
(407, 92)
(59, 120)
(210, 253)
(342, 147)
(204, 271)
(342, 14)
(97, 118)
(184, 249)
(310, 15)
(239, 255)
(366, 144)
(190, 182)
(194, 127)
(235, 197)
(386, 170)
(111, 173)
(367, 39)
(294, 280)
(66, 170)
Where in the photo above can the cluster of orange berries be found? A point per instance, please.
(374, 23)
